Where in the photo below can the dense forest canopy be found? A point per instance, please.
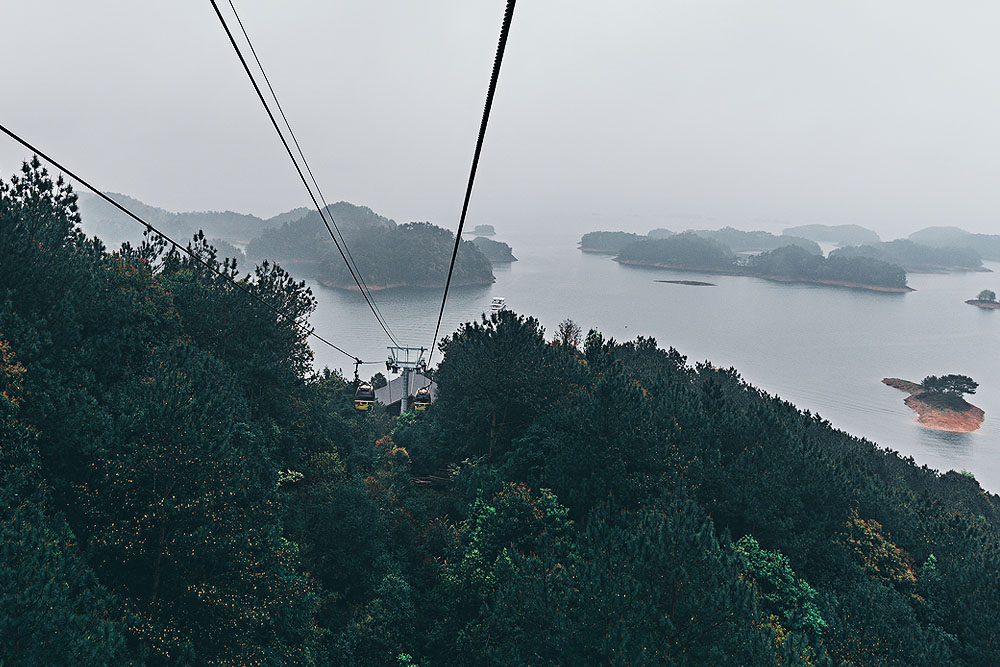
(304, 242)
(181, 488)
(915, 256)
(795, 263)
(387, 254)
(415, 254)
(839, 234)
(687, 249)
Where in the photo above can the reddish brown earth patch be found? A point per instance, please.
(935, 416)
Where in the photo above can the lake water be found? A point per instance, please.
(824, 349)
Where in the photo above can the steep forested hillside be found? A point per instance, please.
(181, 489)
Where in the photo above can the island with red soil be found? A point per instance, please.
(940, 411)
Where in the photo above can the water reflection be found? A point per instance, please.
(953, 447)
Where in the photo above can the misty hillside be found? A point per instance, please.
(305, 242)
(840, 234)
(987, 245)
(738, 240)
(916, 257)
(103, 220)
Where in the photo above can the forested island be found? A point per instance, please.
(917, 257)
(986, 245)
(388, 254)
(986, 299)
(736, 240)
(181, 488)
(842, 235)
(607, 242)
(497, 252)
(691, 252)
(483, 230)
(415, 254)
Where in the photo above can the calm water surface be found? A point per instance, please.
(824, 349)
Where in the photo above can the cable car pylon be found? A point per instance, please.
(406, 360)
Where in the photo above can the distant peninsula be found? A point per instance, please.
(953, 416)
(917, 257)
(497, 252)
(609, 243)
(736, 240)
(987, 245)
(691, 252)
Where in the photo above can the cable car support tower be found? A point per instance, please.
(406, 360)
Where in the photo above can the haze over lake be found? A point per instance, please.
(824, 349)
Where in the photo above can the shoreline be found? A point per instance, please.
(379, 288)
(779, 279)
(936, 417)
(985, 305)
(944, 270)
(599, 251)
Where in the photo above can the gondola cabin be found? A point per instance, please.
(422, 399)
(364, 397)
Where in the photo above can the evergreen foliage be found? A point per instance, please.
(180, 488)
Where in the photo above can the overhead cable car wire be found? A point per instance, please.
(298, 148)
(302, 177)
(504, 31)
(298, 325)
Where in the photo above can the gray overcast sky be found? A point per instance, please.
(618, 115)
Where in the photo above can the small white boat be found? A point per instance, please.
(498, 304)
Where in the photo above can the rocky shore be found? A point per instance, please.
(933, 414)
